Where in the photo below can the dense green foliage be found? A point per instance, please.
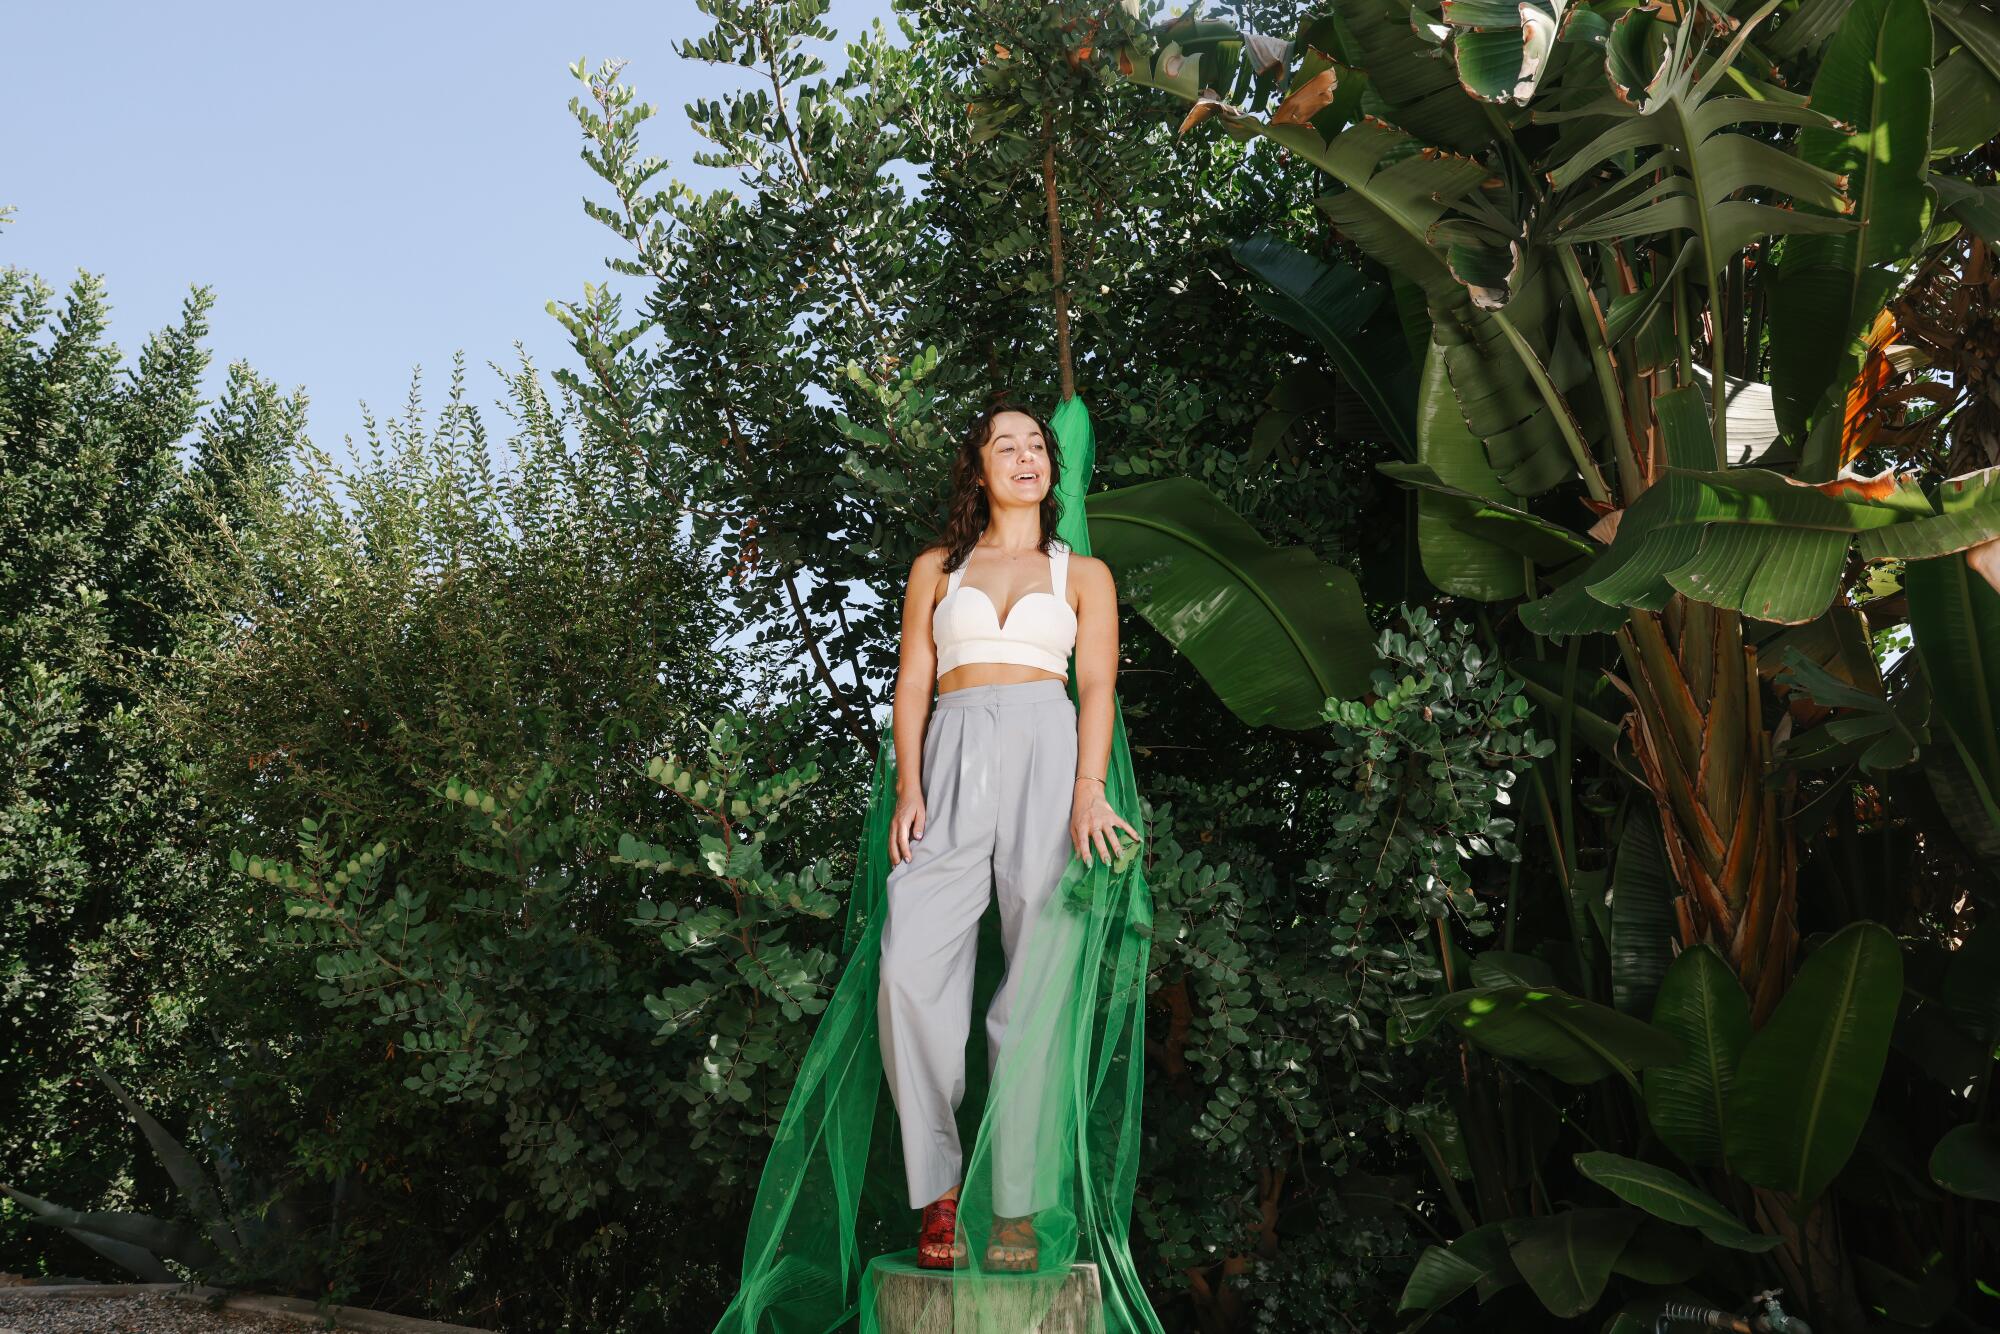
(104, 923)
(1754, 853)
(449, 849)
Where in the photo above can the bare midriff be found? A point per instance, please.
(969, 674)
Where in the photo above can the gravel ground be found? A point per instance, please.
(129, 1313)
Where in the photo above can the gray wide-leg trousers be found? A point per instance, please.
(999, 770)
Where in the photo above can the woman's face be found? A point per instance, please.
(1016, 461)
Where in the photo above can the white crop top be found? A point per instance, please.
(1040, 629)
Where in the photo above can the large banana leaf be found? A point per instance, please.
(1457, 560)
(1567, 1257)
(1955, 621)
(1394, 206)
(1274, 631)
(1479, 1259)
(1577, 1041)
(1875, 75)
(1975, 26)
(1702, 1003)
(1974, 206)
(1807, 1079)
(1395, 192)
(1497, 523)
(1339, 305)
(1694, 163)
(1965, 104)
(1503, 47)
(1642, 916)
(1422, 94)
(1760, 543)
(1806, 30)
(1669, 1196)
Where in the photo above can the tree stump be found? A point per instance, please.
(913, 1300)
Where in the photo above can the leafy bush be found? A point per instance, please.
(107, 926)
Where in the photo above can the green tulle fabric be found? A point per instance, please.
(832, 1239)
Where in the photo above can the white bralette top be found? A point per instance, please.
(1040, 629)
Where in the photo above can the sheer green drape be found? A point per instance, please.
(1058, 1127)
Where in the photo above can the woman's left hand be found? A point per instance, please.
(1093, 824)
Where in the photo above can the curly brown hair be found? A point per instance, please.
(968, 513)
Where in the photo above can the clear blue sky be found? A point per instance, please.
(366, 186)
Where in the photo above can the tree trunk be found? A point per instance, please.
(912, 1300)
(1698, 730)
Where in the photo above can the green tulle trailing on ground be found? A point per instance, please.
(832, 1238)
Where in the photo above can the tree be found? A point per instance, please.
(102, 921)
(1645, 280)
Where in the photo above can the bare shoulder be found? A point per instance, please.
(926, 570)
(1090, 575)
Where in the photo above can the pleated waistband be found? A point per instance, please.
(1005, 695)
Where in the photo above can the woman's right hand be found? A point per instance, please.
(906, 827)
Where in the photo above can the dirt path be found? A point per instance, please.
(128, 1313)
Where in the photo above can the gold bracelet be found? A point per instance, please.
(1086, 778)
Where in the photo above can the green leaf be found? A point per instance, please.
(1337, 306)
(1456, 560)
(1274, 631)
(1441, 1273)
(1672, 1197)
(1496, 522)
(1955, 621)
(1697, 163)
(1504, 968)
(1567, 1258)
(1576, 1040)
(1394, 197)
(1872, 730)
(203, 1200)
(1702, 1003)
(133, 1241)
(1422, 90)
(1974, 26)
(1962, 796)
(1976, 206)
(1593, 705)
(1807, 30)
(1757, 542)
(1969, 515)
(1875, 75)
(1965, 105)
(1395, 191)
(1807, 1079)
(1642, 915)
(1503, 50)
(1967, 1162)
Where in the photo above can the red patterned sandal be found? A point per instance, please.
(1014, 1246)
(938, 1244)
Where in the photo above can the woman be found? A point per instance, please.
(995, 785)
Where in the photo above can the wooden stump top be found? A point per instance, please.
(909, 1299)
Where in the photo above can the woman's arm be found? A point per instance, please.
(916, 685)
(1093, 824)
